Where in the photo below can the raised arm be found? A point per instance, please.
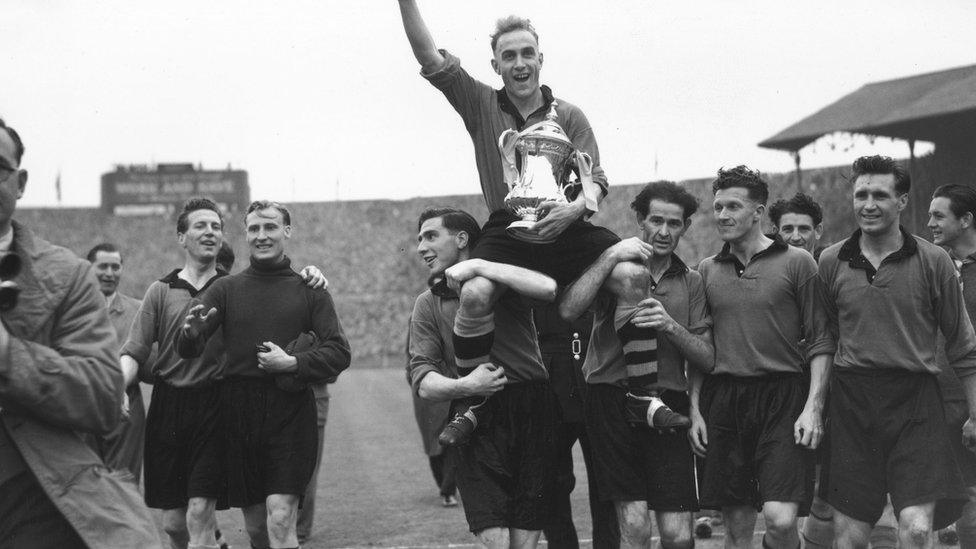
(526, 282)
(421, 42)
(578, 296)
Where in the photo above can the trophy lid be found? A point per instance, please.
(548, 128)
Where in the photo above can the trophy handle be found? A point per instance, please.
(506, 146)
(591, 191)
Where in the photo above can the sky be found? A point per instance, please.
(322, 100)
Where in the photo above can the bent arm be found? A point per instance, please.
(581, 293)
(697, 349)
(74, 382)
(332, 355)
(437, 387)
(526, 282)
(421, 42)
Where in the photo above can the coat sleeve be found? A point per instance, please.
(76, 381)
(332, 354)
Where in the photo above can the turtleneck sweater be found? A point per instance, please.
(270, 302)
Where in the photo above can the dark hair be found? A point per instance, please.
(962, 198)
(665, 191)
(799, 204)
(512, 23)
(15, 137)
(454, 220)
(269, 204)
(225, 257)
(192, 205)
(741, 176)
(106, 247)
(882, 165)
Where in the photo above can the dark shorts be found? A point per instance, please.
(564, 260)
(636, 463)
(28, 519)
(752, 457)
(887, 436)
(183, 452)
(505, 471)
(957, 412)
(271, 439)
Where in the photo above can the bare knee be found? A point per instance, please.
(821, 509)
(635, 523)
(477, 296)
(281, 513)
(675, 530)
(200, 512)
(174, 524)
(494, 537)
(915, 525)
(740, 523)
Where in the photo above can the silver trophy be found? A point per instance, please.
(546, 157)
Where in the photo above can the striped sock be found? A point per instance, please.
(473, 337)
(640, 350)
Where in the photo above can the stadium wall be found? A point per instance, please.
(367, 249)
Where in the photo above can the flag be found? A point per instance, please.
(57, 187)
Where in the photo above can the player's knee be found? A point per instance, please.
(199, 513)
(493, 537)
(780, 519)
(636, 528)
(476, 296)
(822, 510)
(677, 538)
(174, 524)
(918, 534)
(281, 516)
(781, 525)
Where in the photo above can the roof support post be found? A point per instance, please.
(799, 172)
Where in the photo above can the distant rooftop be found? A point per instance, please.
(923, 107)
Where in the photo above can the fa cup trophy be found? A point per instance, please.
(537, 163)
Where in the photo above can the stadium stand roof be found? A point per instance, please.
(924, 107)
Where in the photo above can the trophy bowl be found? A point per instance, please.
(537, 162)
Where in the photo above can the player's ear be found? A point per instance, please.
(21, 183)
(494, 66)
(818, 231)
(462, 239)
(966, 220)
(287, 231)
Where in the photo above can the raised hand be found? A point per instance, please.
(196, 320)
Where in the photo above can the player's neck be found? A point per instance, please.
(964, 245)
(883, 244)
(658, 264)
(750, 244)
(527, 105)
(198, 273)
